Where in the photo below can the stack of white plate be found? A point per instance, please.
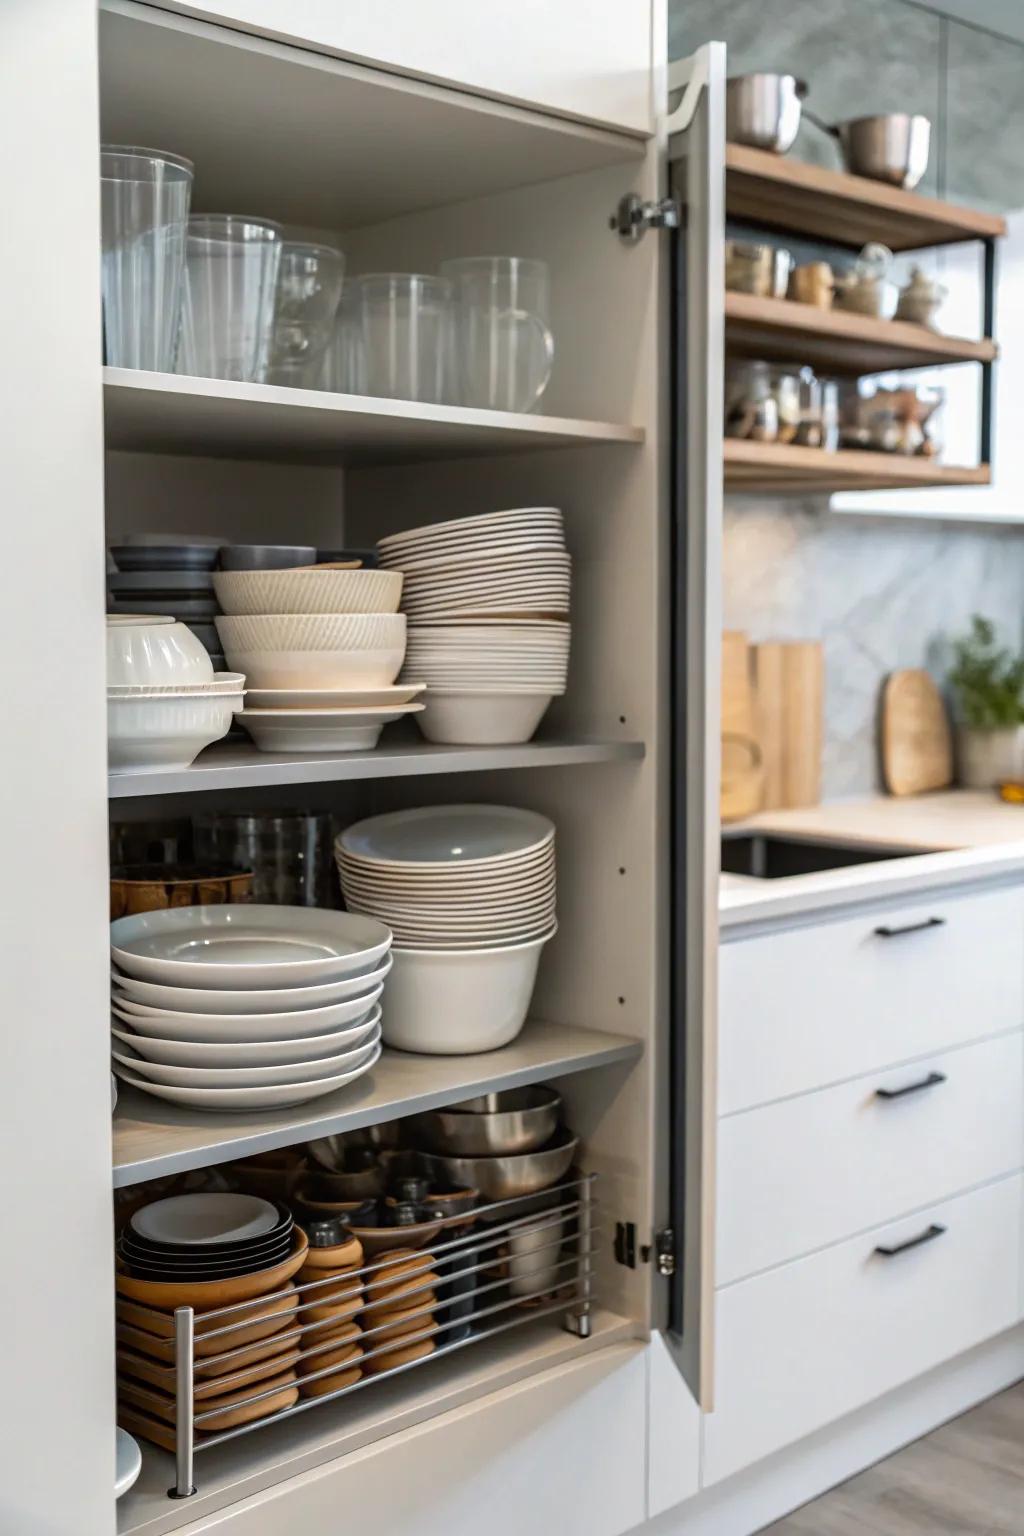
(165, 703)
(246, 1007)
(322, 648)
(487, 600)
(469, 893)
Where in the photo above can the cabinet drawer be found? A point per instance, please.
(804, 1344)
(809, 1171)
(814, 1005)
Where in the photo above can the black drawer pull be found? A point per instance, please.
(885, 932)
(927, 1236)
(931, 1081)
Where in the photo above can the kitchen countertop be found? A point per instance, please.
(958, 837)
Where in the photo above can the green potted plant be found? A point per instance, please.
(987, 681)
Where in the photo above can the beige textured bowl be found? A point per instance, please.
(316, 650)
(297, 591)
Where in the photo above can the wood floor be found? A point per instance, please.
(964, 1479)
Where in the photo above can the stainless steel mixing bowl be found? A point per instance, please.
(763, 110)
(514, 1120)
(501, 1178)
(892, 147)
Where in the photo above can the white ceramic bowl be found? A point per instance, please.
(149, 734)
(240, 945)
(481, 719)
(245, 1053)
(154, 652)
(459, 1002)
(297, 591)
(311, 631)
(325, 730)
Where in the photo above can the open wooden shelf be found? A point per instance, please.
(836, 341)
(842, 209)
(153, 1138)
(170, 413)
(778, 468)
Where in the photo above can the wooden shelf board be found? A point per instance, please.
(779, 469)
(153, 1138)
(842, 209)
(169, 413)
(835, 341)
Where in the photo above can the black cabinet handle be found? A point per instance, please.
(885, 932)
(931, 1081)
(927, 1236)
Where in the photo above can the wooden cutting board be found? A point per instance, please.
(789, 679)
(740, 792)
(917, 745)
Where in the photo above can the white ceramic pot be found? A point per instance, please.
(154, 652)
(149, 734)
(459, 1002)
(482, 719)
(987, 758)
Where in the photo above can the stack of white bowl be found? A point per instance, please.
(487, 600)
(165, 703)
(321, 649)
(246, 1007)
(469, 894)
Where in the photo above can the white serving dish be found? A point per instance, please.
(262, 1001)
(332, 698)
(145, 735)
(322, 730)
(309, 1071)
(242, 945)
(308, 591)
(146, 649)
(369, 668)
(212, 1216)
(342, 1023)
(459, 1002)
(129, 1462)
(482, 719)
(447, 836)
(534, 1250)
(245, 1053)
(241, 1100)
(222, 682)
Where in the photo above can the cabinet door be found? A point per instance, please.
(697, 139)
(56, 1286)
(590, 59)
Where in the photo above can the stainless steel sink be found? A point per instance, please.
(765, 856)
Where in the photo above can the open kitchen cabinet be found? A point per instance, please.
(400, 174)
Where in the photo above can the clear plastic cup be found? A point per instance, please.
(502, 347)
(392, 336)
(308, 290)
(227, 313)
(145, 196)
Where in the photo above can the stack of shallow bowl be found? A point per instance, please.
(331, 1343)
(399, 1316)
(469, 894)
(207, 1251)
(165, 703)
(321, 649)
(246, 1007)
(487, 600)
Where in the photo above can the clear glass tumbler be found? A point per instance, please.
(145, 196)
(227, 312)
(393, 334)
(308, 290)
(289, 852)
(502, 346)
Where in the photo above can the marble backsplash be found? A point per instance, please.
(879, 593)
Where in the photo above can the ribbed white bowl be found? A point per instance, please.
(311, 631)
(294, 592)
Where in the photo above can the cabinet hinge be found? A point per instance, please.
(634, 216)
(665, 1252)
(625, 1244)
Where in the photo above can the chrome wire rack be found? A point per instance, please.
(509, 1263)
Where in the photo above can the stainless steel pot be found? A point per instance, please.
(891, 147)
(763, 110)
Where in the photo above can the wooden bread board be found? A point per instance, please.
(917, 744)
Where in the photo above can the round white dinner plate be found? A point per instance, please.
(235, 946)
(466, 527)
(447, 835)
(310, 1071)
(251, 1028)
(456, 552)
(331, 698)
(240, 1053)
(525, 863)
(478, 608)
(274, 1000)
(129, 1462)
(241, 1100)
(213, 1216)
(469, 892)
